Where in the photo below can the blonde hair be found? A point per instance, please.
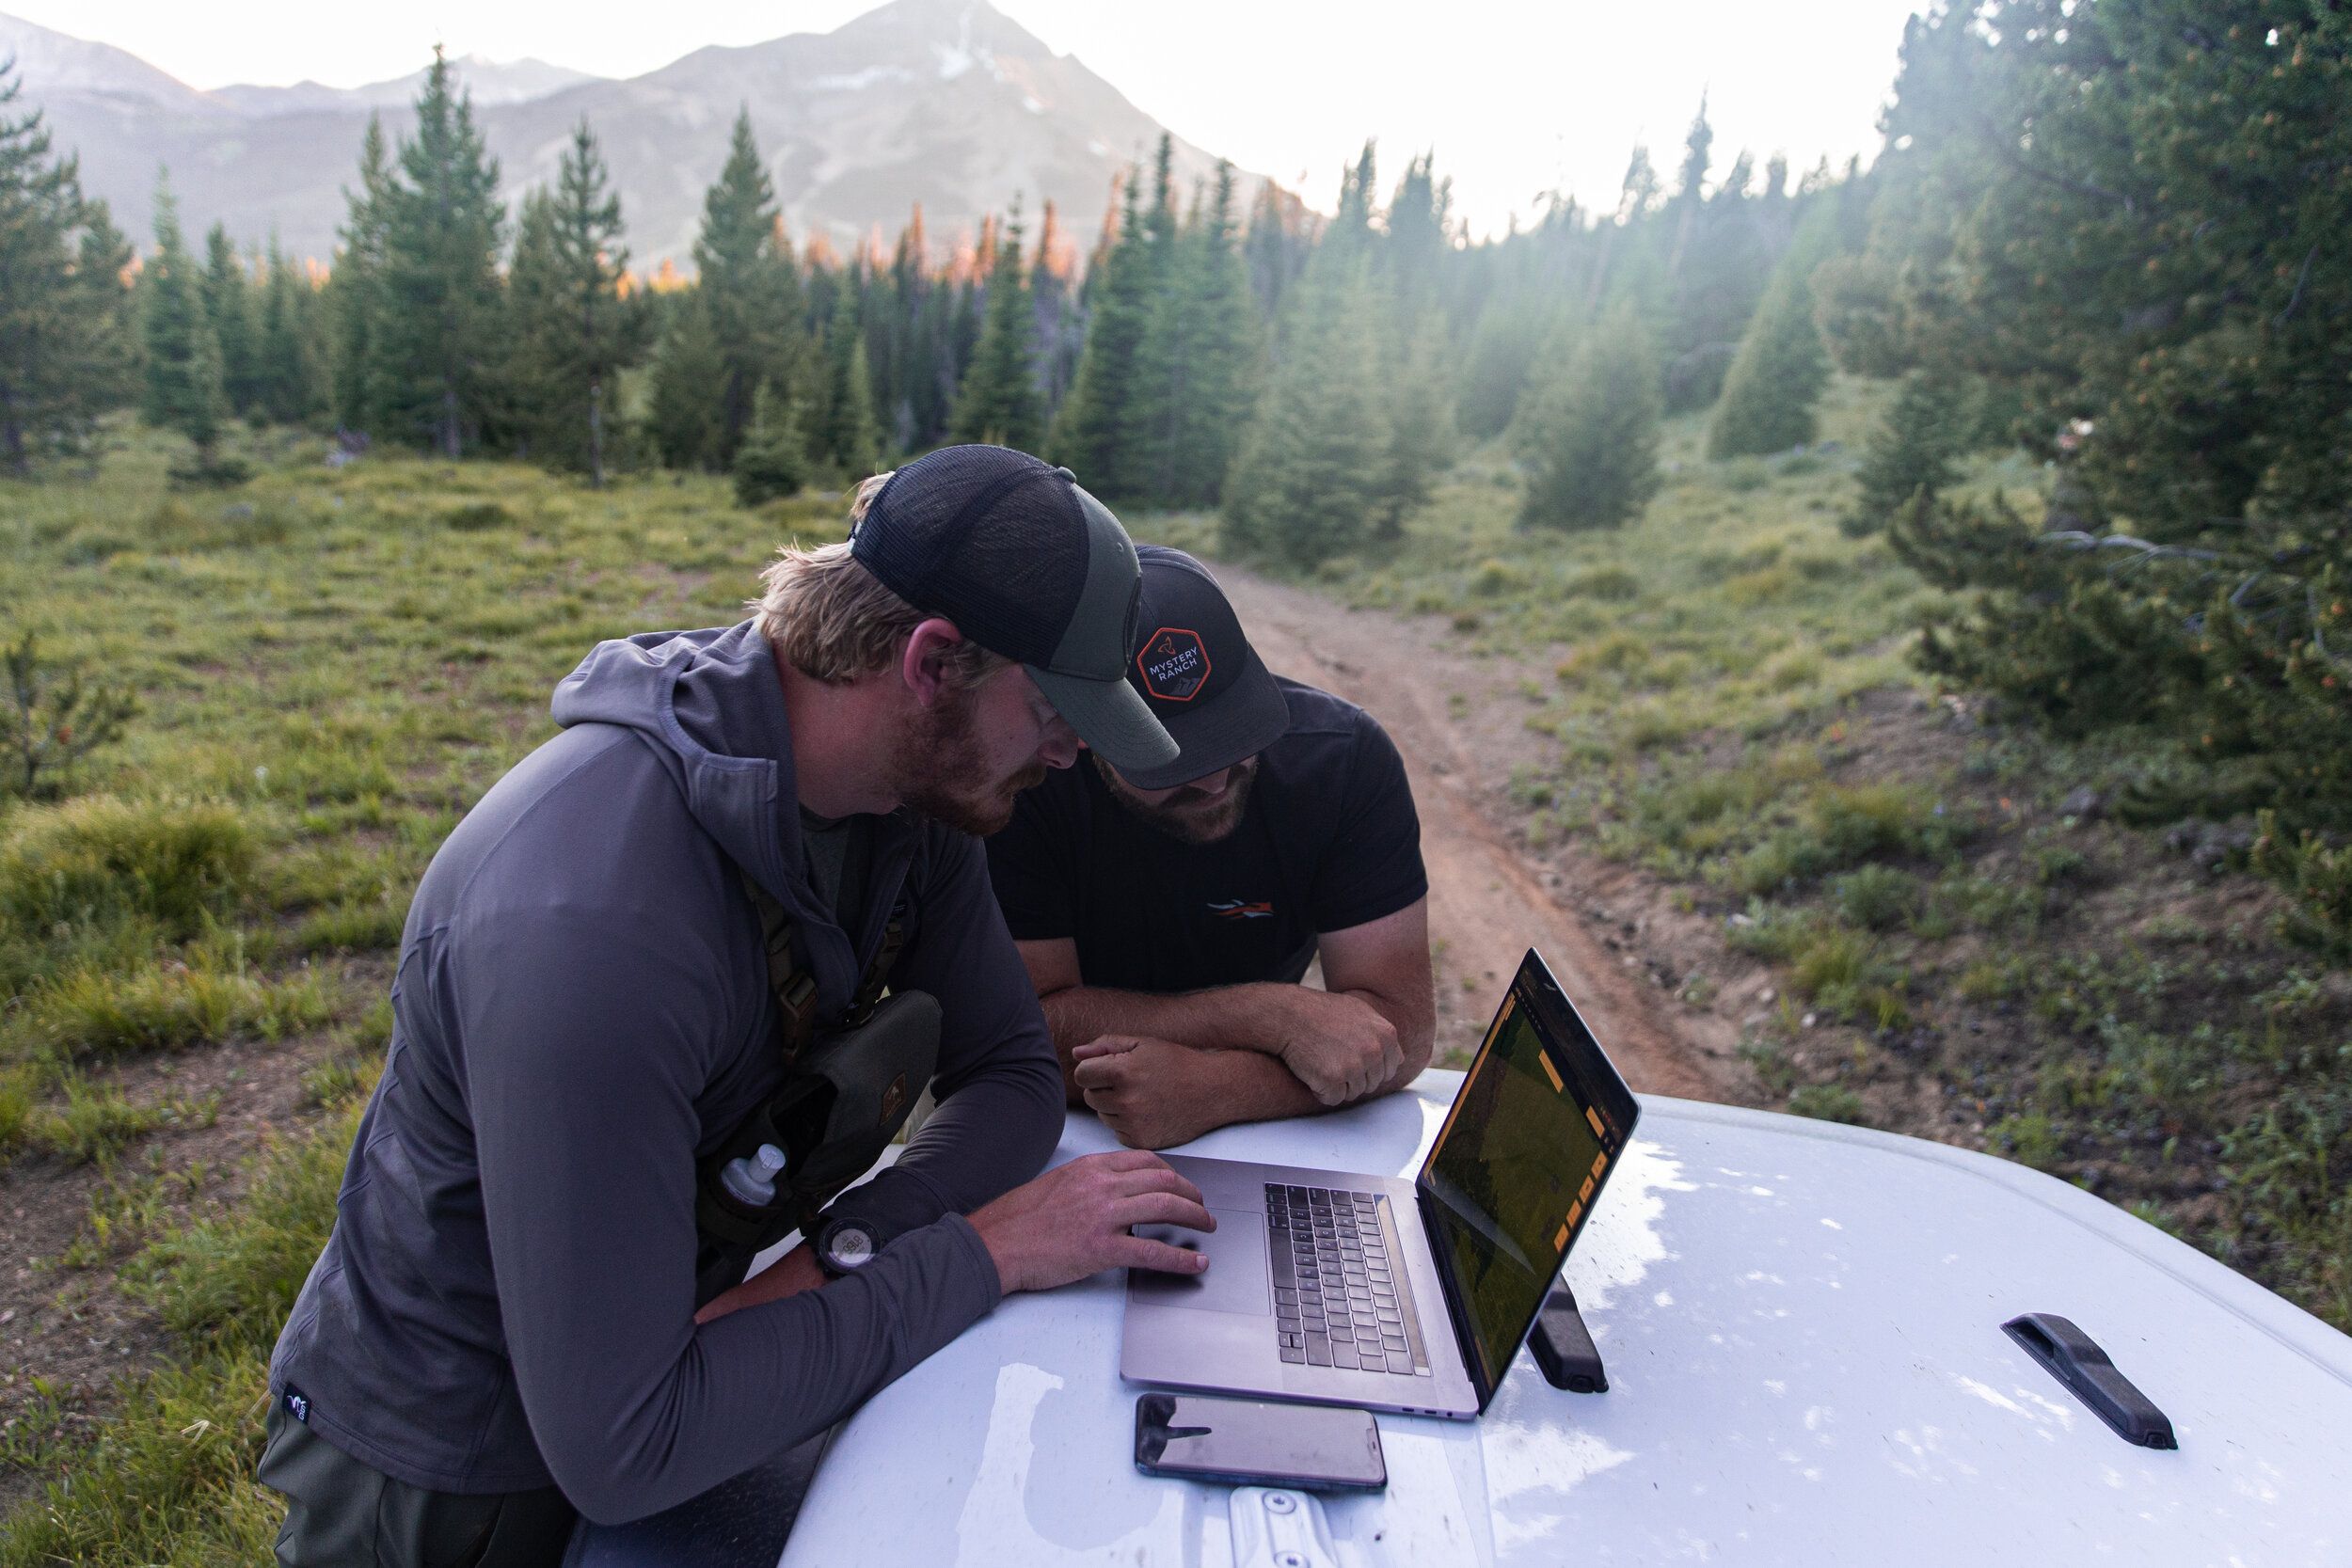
(835, 620)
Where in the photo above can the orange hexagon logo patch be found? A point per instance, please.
(1175, 664)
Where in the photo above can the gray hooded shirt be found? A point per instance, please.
(581, 1013)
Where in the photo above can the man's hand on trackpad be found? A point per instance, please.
(1075, 1220)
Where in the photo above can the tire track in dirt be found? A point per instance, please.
(1487, 904)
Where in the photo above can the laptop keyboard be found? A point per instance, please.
(1340, 1294)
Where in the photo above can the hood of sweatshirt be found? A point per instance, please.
(712, 708)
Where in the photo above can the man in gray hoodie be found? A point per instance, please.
(504, 1326)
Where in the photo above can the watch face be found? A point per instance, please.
(850, 1247)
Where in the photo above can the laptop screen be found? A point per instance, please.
(1517, 1165)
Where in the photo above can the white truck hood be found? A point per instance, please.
(1802, 1328)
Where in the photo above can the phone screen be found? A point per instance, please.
(1254, 1442)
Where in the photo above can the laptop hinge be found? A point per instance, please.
(1465, 1342)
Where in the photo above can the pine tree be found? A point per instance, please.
(962, 337)
(63, 319)
(1160, 226)
(1588, 429)
(998, 402)
(772, 461)
(687, 366)
(1060, 328)
(184, 388)
(229, 305)
(1275, 251)
(1303, 488)
(1689, 192)
(748, 285)
(1772, 386)
(850, 439)
(1089, 437)
(1349, 239)
(1913, 454)
(529, 381)
(906, 376)
(2129, 222)
(436, 341)
(858, 436)
(1494, 368)
(931, 368)
(576, 329)
(1420, 231)
(1420, 425)
(99, 359)
(1195, 363)
(356, 302)
(289, 377)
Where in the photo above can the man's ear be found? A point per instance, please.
(923, 663)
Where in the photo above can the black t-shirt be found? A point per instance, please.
(1329, 840)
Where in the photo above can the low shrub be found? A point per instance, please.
(101, 859)
(1832, 964)
(1876, 898)
(52, 717)
(1772, 933)
(1751, 589)
(1618, 652)
(96, 1122)
(20, 1093)
(475, 517)
(1857, 822)
(2030, 1138)
(2317, 877)
(1988, 904)
(1828, 1102)
(1493, 578)
(172, 1006)
(1609, 584)
(370, 927)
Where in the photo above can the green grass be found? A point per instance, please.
(333, 666)
(1734, 604)
(96, 1121)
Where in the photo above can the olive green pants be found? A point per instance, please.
(342, 1514)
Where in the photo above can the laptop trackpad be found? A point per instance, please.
(1236, 1276)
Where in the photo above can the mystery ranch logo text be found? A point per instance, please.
(1174, 663)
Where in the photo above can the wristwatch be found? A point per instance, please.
(844, 1245)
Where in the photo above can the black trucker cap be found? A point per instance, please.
(1028, 566)
(1198, 673)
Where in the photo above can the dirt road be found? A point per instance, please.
(1456, 721)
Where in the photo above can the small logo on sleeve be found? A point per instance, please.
(1234, 909)
(296, 1404)
(1175, 663)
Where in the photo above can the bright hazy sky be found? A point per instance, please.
(1515, 98)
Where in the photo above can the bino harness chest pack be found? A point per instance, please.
(850, 1082)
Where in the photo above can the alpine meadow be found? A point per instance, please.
(1920, 588)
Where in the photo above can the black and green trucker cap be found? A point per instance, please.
(1028, 566)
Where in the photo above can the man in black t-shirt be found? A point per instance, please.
(1168, 916)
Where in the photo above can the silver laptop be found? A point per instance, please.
(1411, 1296)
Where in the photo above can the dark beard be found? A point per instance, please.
(940, 757)
(1171, 815)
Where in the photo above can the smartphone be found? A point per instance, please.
(1255, 1442)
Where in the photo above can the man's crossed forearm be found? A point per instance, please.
(1162, 1069)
